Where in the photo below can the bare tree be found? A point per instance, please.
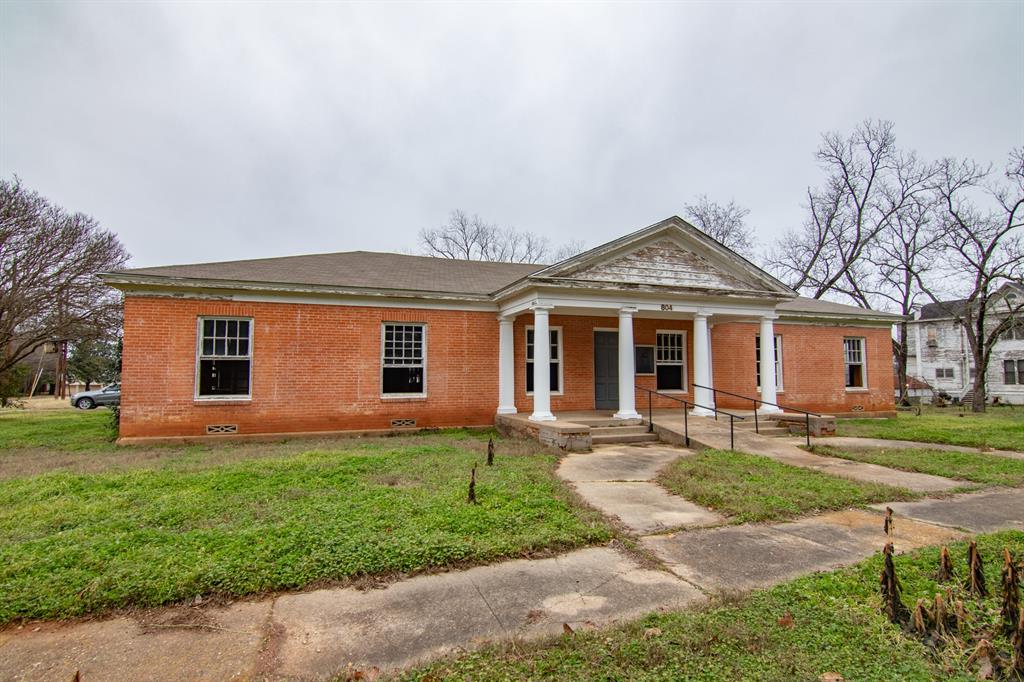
(466, 237)
(983, 248)
(48, 259)
(868, 182)
(724, 222)
(902, 253)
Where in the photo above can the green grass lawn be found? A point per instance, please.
(753, 488)
(837, 627)
(163, 525)
(967, 466)
(64, 430)
(1001, 428)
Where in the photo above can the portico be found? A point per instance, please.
(638, 311)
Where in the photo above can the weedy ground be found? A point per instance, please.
(87, 526)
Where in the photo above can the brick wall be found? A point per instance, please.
(315, 368)
(813, 369)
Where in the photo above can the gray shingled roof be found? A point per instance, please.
(934, 311)
(399, 272)
(358, 269)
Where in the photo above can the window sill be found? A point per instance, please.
(865, 389)
(222, 400)
(672, 391)
(529, 394)
(404, 397)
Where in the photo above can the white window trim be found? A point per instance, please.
(778, 365)
(654, 358)
(863, 363)
(199, 356)
(686, 362)
(399, 396)
(561, 358)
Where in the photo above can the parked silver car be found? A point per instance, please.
(87, 400)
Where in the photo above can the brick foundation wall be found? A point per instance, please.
(314, 368)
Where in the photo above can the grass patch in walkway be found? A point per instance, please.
(77, 543)
(999, 427)
(967, 466)
(754, 488)
(837, 626)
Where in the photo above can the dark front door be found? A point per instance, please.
(606, 370)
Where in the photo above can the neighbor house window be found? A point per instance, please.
(1013, 371)
(225, 358)
(670, 361)
(403, 359)
(853, 351)
(944, 373)
(556, 360)
(778, 361)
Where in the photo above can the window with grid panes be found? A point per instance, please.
(224, 358)
(556, 360)
(853, 355)
(670, 361)
(403, 361)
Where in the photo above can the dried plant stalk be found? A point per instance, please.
(472, 486)
(945, 573)
(490, 451)
(1010, 610)
(890, 586)
(887, 526)
(975, 572)
(921, 619)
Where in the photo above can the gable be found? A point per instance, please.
(671, 254)
(664, 263)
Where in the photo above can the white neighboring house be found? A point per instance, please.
(940, 355)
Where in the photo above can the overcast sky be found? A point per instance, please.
(203, 132)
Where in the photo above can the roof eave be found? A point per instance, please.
(121, 280)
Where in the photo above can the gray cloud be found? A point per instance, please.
(220, 131)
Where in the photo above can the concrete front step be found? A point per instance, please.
(615, 437)
(617, 430)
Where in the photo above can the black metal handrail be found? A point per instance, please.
(686, 420)
(757, 428)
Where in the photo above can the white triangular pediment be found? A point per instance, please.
(665, 263)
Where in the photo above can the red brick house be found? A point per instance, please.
(364, 341)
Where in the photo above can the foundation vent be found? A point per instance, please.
(217, 429)
(857, 408)
(402, 423)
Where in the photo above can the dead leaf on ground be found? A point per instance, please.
(831, 677)
(652, 632)
(787, 620)
(567, 630)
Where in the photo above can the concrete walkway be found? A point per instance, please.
(707, 433)
(617, 479)
(317, 635)
(851, 442)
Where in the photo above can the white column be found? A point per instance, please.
(702, 364)
(768, 379)
(506, 367)
(541, 365)
(712, 402)
(627, 369)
